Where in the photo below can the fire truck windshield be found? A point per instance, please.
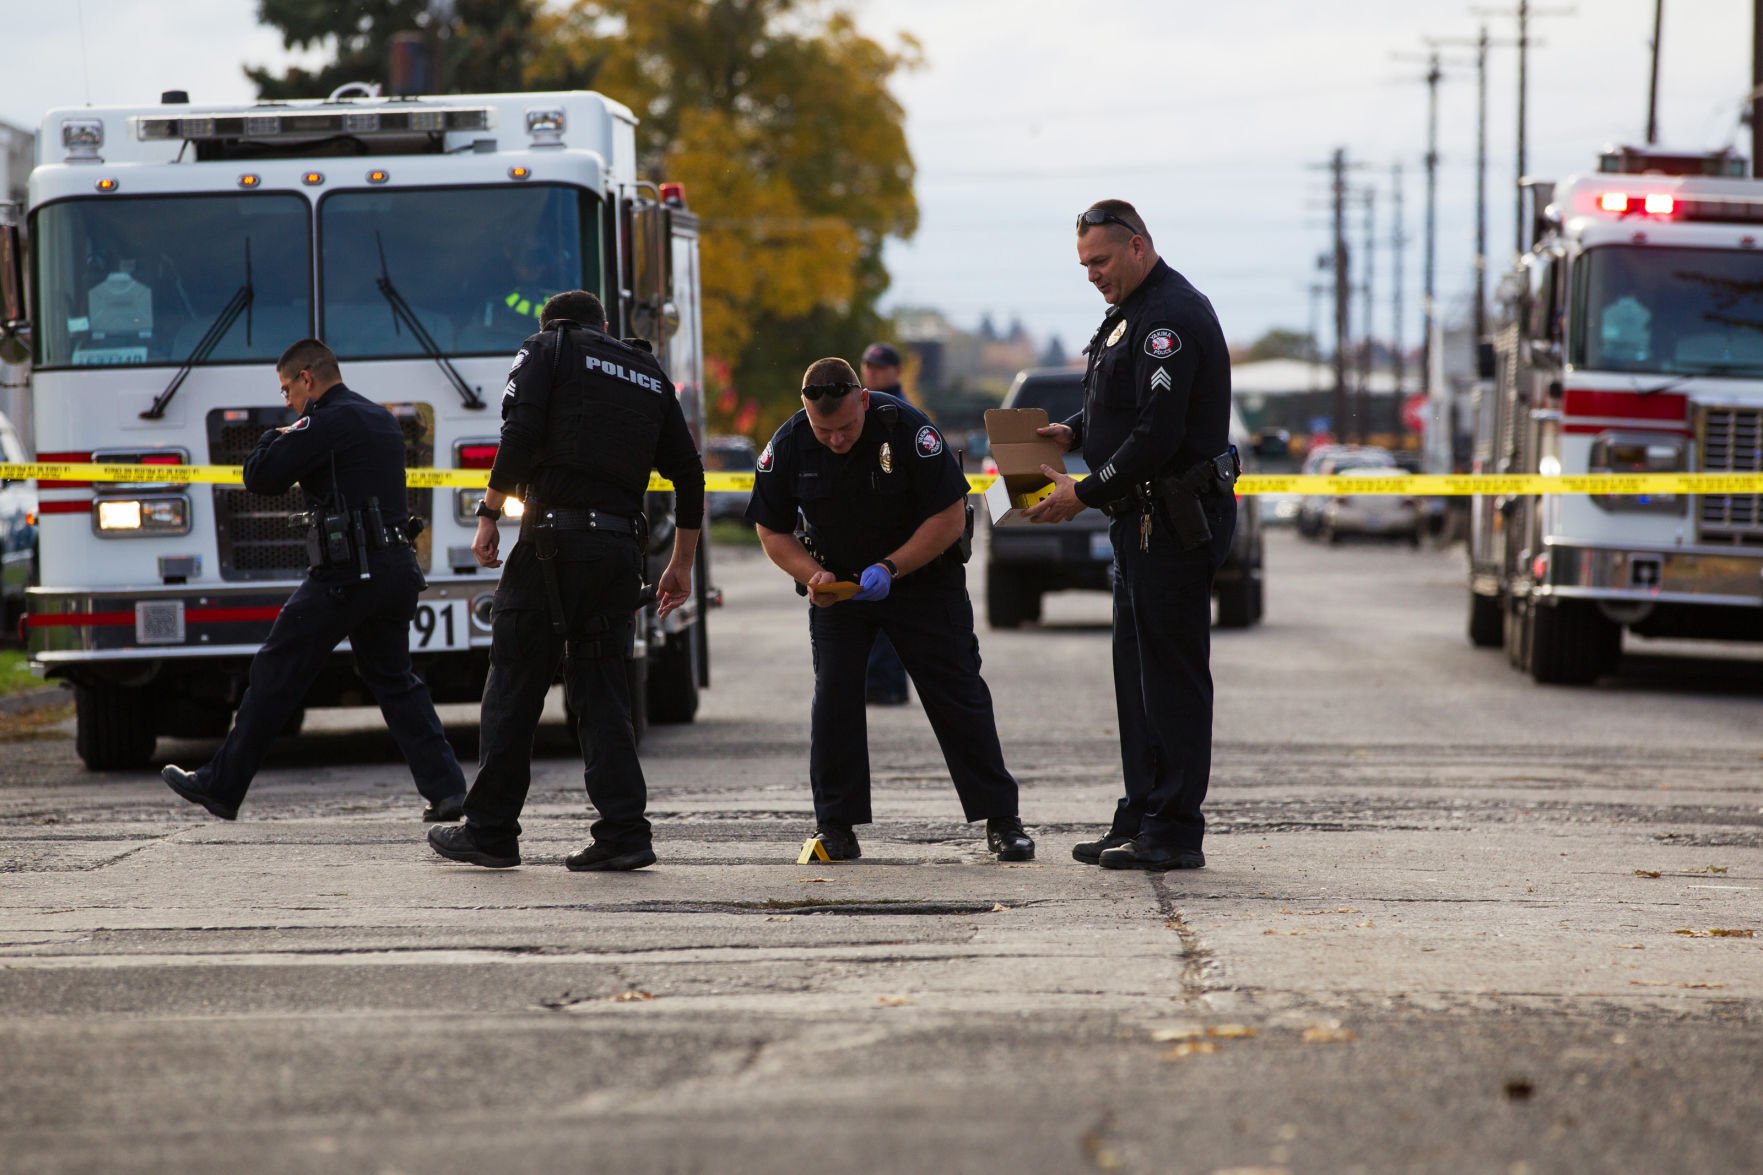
(137, 281)
(1671, 311)
(474, 264)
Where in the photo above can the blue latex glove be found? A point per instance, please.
(876, 583)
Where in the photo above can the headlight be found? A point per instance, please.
(142, 517)
(1614, 452)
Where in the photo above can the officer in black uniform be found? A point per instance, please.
(1155, 429)
(585, 417)
(887, 674)
(347, 453)
(886, 509)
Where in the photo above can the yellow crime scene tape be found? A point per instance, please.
(1430, 485)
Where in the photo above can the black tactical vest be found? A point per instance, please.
(607, 402)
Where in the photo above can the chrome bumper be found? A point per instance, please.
(1726, 579)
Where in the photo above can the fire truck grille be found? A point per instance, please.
(1731, 441)
(252, 532)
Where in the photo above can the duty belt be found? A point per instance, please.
(573, 518)
(543, 522)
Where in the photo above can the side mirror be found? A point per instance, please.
(1484, 360)
(15, 331)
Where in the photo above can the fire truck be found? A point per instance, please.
(1630, 341)
(175, 250)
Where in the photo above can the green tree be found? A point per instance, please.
(1281, 343)
(777, 117)
(477, 46)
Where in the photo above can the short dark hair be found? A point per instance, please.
(1124, 211)
(575, 305)
(829, 371)
(310, 355)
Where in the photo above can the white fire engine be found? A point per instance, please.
(1631, 341)
(176, 249)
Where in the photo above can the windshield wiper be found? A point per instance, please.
(239, 303)
(401, 311)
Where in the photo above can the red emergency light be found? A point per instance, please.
(673, 195)
(477, 456)
(1652, 203)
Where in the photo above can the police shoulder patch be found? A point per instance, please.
(1162, 343)
(518, 360)
(928, 442)
(765, 459)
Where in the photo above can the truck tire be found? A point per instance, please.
(113, 727)
(673, 678)
(1003, 599)
(1237, 603)
(1487, 617)
(1571, 643)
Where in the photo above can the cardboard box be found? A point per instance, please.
(1019, 453)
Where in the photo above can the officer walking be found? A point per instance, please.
(347, 453)
(887, 675)
(886, 509)
(585, 417)
(1155, 427)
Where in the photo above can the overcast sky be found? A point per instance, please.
(1210, 117)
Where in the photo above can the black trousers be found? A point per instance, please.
(931, 625)
(375, 615)
(598, 578)
(1163, 675)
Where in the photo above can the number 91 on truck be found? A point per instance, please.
(174, 250)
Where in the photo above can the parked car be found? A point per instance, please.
(1373, 515)
(1023, 563)
(728, 454)
(1327, 460)
(18, 534)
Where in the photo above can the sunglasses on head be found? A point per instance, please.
(830, 391)
(1091, 217)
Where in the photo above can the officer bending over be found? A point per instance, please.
(347, 453)
(584, 419)
(1155, 427)
(886, 508)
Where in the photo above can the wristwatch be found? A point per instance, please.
(485, 510)
(893, 572)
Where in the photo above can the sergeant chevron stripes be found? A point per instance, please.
(1160, 379)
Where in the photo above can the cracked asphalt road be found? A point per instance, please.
(1452, 921)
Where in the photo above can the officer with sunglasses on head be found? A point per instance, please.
(886, 510)
(1155, 427)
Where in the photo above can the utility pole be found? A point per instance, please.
(1367, 345)
(1481, 45)
(1428, 309)
(1653, 85)
(1757, 88)
(1342, 308)
(1524, 13)
(1398, 245)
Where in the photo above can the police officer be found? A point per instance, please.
(887, 675)
(584, 419)
(885, 505)
(1155, 429)
(347, 453)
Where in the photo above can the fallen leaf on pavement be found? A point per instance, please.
(1646, 873)
(895, 1001)
(1716, 932)
(812, 880)
(630, 997)
(1230, 1031)
(1702, 986)
(999, 908)
(1177, 1032)
(1326, 1034)
(1189, 1048)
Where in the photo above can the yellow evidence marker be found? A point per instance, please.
(812, 850)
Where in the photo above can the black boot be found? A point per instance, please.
(457, 842)
(1143, 855)
(184, 784)
(599, 858)
(1007, 841)
(839, 841)
(1090, 851)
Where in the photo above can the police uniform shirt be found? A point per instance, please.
(1157, 389)
(862, 505)
(621, 386)
(345, 431)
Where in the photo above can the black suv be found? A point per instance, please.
(1025, 562)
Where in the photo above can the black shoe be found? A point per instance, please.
(839, 841)
(1007, 841)
(184, 784)
(1090, 851)
(456, 842)
(1135, 855)
(599, 858)
(444, 811)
